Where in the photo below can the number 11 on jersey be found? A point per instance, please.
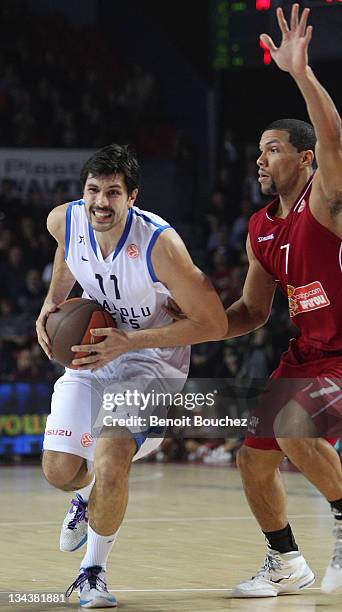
(115, 281)
(287, 248)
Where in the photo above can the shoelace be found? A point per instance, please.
(91, 574)
(271, 562)
(80, 508)
(337, 556)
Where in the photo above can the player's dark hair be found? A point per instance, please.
(113, 159)
(301, 134)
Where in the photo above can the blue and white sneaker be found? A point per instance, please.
(93, 592)
(74, 532)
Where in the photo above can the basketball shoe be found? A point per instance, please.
(74, 530)
(93, 592)
(332, 581)
(281, 573)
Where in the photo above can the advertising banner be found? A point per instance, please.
(24, 407)
(43, 170)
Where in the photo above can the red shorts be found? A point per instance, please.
(310, 377)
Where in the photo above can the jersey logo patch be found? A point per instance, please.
(132, 251)
(306, 298)
(86, 440)
(265, 238)
(301, 207)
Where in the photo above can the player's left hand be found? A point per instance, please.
(292, 55)
(115, 343)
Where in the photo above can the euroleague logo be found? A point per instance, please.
(86, 440)
(132, 251)
(301, 207)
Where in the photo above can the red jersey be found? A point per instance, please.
(306, 259)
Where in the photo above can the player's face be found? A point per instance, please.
(107, 201)
(278, 163)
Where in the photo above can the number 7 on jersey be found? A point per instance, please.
(287, 248)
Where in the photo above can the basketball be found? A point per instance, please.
(71, 324)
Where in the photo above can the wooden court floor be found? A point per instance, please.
(187, 539)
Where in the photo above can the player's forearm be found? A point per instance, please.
(322, 110)
(242, 320)
(62, 281)
(179, 333)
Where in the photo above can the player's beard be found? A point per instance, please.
(269, 190)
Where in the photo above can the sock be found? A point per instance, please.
(98, 548)
(282, 540)
(336, 507)
(85, 491)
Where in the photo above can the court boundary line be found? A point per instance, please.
(169, 519)
(176, 590)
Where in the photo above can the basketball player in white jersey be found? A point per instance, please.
(130, 261)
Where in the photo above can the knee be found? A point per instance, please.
(113, 464)
(60, 469)
(245, 461)
(257, 466)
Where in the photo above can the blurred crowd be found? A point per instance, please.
(26, 255)
(45, 103)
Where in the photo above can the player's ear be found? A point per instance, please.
(307, 157)
(133, 197)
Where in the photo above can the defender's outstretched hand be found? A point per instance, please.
(292, 55)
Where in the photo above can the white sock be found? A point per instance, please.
(85, 491)
(98, 548)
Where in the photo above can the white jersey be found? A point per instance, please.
(124, 283)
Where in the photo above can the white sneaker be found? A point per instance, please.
(93, 592)
(74, 532)
(217, 456)
(281, 573)
(332, 581)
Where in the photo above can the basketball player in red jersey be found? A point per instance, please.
(296, 241)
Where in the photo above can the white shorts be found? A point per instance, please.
(78, 400)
